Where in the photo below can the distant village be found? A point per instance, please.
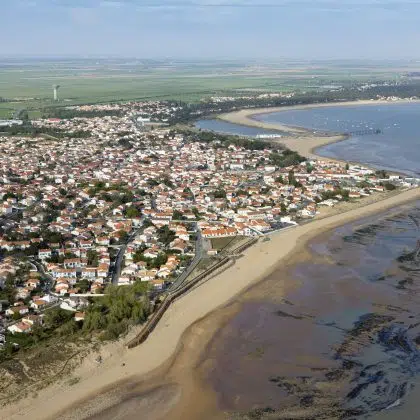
(134, 200)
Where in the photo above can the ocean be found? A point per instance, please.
(397, 148)
(345, 342)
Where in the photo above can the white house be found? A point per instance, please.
(20, 327)
(43, 254)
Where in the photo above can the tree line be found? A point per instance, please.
(190, 112)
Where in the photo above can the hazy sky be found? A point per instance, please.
(212, 28)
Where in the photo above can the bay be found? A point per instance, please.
(397, 148)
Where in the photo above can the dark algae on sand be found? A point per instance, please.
(345, 344)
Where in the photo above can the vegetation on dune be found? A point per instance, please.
(107, 318)
(120, 307)
(286, 158)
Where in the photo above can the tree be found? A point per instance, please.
(83, 285)
(132, 212)
(119, 307)
(196, 212)
(291, 178)
(388, 186)
(122, 235)
(93, 320)
(286, 158)
(364, 184)
(177, 215)
(166, 236)
(344, 194)
(9, 292)
(147, 223)
(92, 258)
(283, 208)
(68, 328)
(159, 260)
(381, 174)
(38, 333)
(55, 317)
(280, 179)
(168, 182)
(219, 193)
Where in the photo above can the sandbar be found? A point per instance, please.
(302, 140)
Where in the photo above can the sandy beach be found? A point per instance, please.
(304, 141)
(98, 385)
(185, 328)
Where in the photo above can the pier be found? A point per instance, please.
(366, 132)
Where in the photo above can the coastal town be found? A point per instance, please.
(209, 210)
(126, 199)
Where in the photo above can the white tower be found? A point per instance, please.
(55, 87)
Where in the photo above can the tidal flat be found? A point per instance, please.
(343, 342)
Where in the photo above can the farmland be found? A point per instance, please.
(27, 84)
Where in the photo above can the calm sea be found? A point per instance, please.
(349, 335)
(397, 148)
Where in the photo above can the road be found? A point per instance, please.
(202, 245)
(50, 279)
(116, 272)
(201, 248)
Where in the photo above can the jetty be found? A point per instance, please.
(366, 132)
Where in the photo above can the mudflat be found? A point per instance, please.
(178, 329)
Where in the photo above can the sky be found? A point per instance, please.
(209, 29)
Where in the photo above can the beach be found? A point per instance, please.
(100, 386)
(303, 141)
(158, 377)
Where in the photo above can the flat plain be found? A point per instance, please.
(27, 83)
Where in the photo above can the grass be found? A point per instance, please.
(32, 369)
(73, 381)
(28, 84)
(224, 244)
(221, 243)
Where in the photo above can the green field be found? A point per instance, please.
(28, 84)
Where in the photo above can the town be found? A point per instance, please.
(125, 199)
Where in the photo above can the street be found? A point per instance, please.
(116, 272)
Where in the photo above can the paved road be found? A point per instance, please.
(50, 279)
(116, 272)
(202, 245)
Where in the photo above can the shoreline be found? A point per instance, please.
(305, 141)
(163, 346)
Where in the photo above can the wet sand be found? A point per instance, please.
(286, 346)
(180, 338)
(304, 141)
(145, 363)
(308, 354)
